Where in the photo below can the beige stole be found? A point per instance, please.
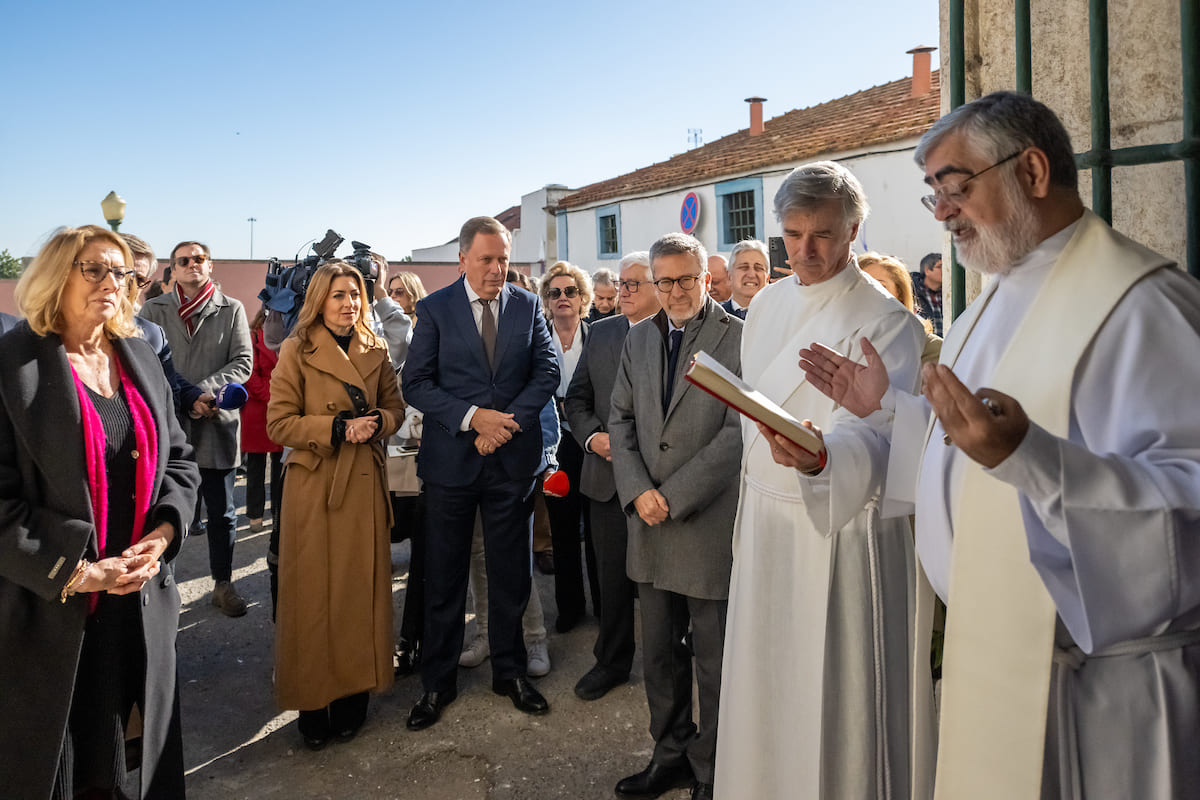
(1001, 619)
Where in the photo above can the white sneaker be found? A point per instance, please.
(475, 653)
(538, 661)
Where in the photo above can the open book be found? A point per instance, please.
(711, 376)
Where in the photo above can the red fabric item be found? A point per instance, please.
(188, 309)
(557, 485)
(258, 388)
(146, 444)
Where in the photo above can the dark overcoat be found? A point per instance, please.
(46, 526)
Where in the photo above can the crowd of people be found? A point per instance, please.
(1030, 479)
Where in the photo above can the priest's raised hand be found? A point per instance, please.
(856, 387)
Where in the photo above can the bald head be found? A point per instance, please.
(720, 290)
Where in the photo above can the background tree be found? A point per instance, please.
(10, 265)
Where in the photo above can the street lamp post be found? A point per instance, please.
(251, 220)
(113, 208)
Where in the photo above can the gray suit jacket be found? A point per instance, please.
(220, 352)
(692, 455)
(589, 398)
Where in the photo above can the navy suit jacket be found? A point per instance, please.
(740, 313)
(447, 372)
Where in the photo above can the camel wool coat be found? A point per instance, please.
(333, 629)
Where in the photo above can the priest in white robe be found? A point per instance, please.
(1058, 499)
(818, 640)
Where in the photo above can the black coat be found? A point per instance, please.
(46, 527)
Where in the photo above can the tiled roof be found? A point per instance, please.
(510, 217)
(871, 117)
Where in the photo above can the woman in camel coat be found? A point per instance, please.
(334, 401)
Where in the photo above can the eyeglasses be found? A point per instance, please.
(199, 260)
(570, 291)
(142, 281)
(96, 271)
(632, 286)
(667, 285)
(398, 292)
(953, 192)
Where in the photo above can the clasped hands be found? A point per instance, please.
(133, 569)
(493, 429)
(361, 430)
(987, 425)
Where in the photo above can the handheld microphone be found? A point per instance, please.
(557, 485)
(230, 397)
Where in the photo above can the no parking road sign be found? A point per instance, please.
(689, 213)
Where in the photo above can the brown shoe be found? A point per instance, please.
(227, 600)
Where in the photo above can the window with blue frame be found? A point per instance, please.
(740, 206)
(608, 231)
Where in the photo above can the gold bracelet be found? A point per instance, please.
(76, 576)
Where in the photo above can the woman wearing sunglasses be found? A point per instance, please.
(96, 484)
(566, 298)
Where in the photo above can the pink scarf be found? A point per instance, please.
(145, 446)
(189, 308)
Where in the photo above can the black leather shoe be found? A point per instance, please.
(314, 728)
(428, 709)
(656, 779)
(598, 682)
(702, 791)
(522, 693)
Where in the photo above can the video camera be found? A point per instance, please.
(285, 286)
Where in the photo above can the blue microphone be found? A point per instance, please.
(230, 397)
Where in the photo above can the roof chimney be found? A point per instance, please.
(921, 81)
(756, 121)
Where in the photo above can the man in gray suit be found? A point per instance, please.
(676, 454)
(588, 401)
(210, 342)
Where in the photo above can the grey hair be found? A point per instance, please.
(604, 277)
(675, 244)
(812, 184)
(749, 244)
(475, 226)
(1002, 123)
(641, 257)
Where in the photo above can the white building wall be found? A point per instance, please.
(898, 224)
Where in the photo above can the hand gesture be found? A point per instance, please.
(651, 507)
(987, 426)
(789, 454)
(495, 426)
(360, 430)
(855, 387)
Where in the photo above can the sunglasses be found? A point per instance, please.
(94, 271)
(199, 260)
(570, 291)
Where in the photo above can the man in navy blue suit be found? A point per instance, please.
(480, 368)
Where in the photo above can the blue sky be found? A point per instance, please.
(390, 122)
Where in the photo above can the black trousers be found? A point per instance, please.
(567, 515)
(216, 489)
(610, 534)
(410, 524)
(256, 490)
(506, 507)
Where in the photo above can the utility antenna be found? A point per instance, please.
(695, 137)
